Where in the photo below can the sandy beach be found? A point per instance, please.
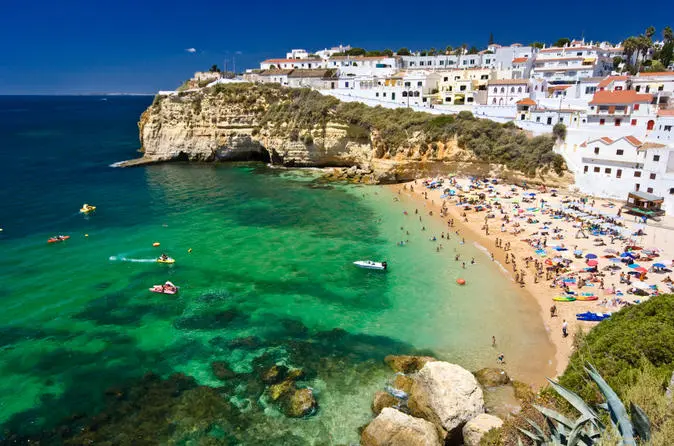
(541, 237)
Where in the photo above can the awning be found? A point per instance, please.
(589, 60)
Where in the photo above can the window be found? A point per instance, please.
(519, 89)
(585, 169)
(648, 88)
(633, 122)
(416, 94)
(607, 170)
(502, 90)
(421, 63)
(512, 89)
(445, 79)
(377, 94)
(636, 107)
(649, 190)
(447, 99)
(601, 121)
(661, 87)
(637, 89)
(619, 173)
(652, 176)
(617, 122)
(637, 174)
(407, 84)
(484, 77)
(404, 94)
(671, 191)
(619, 152)
(596, 150)
(597, 169)
(590, 90)
(668, 128)
(420, 83)
(462, 88)
(656, 158)
(637, 187)
(538, 119)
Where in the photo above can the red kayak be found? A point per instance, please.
(58, 238)
(167, 288)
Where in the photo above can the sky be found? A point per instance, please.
(122, 46)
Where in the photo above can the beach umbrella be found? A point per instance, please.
(615, 260)
(627, 254)
(578, 251)
(660, 265)
(592, 263)
(590, 256)
(634, 266)
(641, 269)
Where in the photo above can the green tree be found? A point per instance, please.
(656, 66)
(667, 53)
(214, 69)
(423, 53)
(617, 60)
(355, 52)
(374, 53)
(403, 52)
(650, 32)
(473, 50)
(559, 130)
(432, 52)
(387, 52)
(449, 49)
(491, 38)
(562, 42)
(630, 47)
(538, 45)
(667, 34)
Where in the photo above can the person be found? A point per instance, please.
(565, 328)
(553, 310)
(163, 256)
(501, 358)
(493, 341)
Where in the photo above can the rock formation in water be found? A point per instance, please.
(302, 128)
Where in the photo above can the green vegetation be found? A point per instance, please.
(559, 130)
(640, 45)
(538, 45)
(403, 52)
(562, 42)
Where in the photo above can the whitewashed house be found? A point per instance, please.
(571, 63)
(659, 84)
(506, 92)
(622, 108)
(297, 54)
(663, 130)
(274, 77)
(290, 64)
(321, 79)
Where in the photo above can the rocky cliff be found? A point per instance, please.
(302, 128)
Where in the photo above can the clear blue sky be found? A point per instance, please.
(83, 46)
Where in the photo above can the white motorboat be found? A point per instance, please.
(369, 264)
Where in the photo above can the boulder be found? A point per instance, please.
(407, 363)
(475, 429)
(445, 394)
(382, 400)
(221, 370)
(274, 374)
(299, 403)
(404, 383)
(394, 428)
(492, 377)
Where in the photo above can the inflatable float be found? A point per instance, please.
(461, 281)
(564, 299)
(58, 238)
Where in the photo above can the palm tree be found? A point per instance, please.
(650, 32)
(630, 47)
(667, 34)
(449, 49)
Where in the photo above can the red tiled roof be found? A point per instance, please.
(520, 59)
(526, 101)
(665, 112)
(656, 73)
(632, 140)
(620, 97)
(606, 82)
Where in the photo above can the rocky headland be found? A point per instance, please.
(302, 128)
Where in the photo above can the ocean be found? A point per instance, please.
(264, 265)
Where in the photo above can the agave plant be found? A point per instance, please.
(588, 428)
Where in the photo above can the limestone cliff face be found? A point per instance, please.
(205, 127)
(245, 122)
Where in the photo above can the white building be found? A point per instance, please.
(328, 52)
(274, 77)
(622, 108)
(322, 79)
(404, 88)
(297, 54)
(571, 63)
(612, 168)
(289, 64)
(663, 130)
(659, 84)
(506, 92)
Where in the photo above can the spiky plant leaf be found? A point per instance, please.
(573, 399)
(616, 407)
(519, 441)
(531, 435)
(642, 425)
(577, 436)
(549, 413)
(535, 425)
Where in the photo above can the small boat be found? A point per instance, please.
(592, 317)
(166, 260)
(58, 238)
(87, 208)
(167, 288)
(369, 264)
(564, 298)
(583, 297)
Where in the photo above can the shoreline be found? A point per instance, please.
(540, 293)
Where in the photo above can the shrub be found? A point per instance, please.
(559, 130)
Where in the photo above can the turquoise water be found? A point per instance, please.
(269, 279)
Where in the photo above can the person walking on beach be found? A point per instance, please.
(493, 341)
(500, 358)
(565, 328)
(553, 310)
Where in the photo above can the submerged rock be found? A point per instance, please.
(299, 403)
(492, 377)
(407, 363)
(394, 428)
(446, 395)
(274, 374)
(404, 383)
(475, 429)
(382, 400)
(276, 391)
(222, 371)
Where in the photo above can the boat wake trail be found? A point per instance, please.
(125, 259)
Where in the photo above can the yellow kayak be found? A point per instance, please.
(167, 260)
(564, 299)
(87, 208)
